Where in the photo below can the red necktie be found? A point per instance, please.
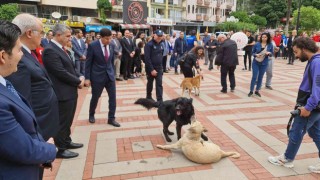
(106, 55)
(34, 55)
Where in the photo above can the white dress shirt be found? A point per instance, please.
(3, 81)
(102, 47)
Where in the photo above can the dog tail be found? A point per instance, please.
(234, 155)
(147, 103)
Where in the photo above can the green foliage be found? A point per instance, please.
(103, 5)
(8, 11)
(273, 10)
(316, 4)
(241, 15)
(237, 26)
(309, 18)
(259, 20)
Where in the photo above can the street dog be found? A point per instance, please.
(190, 83)
(180, 109)
(195, 149)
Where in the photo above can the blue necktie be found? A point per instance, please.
(11, 89)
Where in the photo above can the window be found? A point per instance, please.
(192, 9)
(202, 10)
(84, 12)
(46, 11)
(26, 8)
(188, 9)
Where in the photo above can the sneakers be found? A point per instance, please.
(257, 93)
(282, 161)
(250, 94)
(315, 168)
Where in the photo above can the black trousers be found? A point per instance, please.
(97, 89)
(66, 115)
(227, 70)
(159, 88)
(249, 55)
(164, 63)
(290, 55)
(127, 66)
(211, 56)
(187, 71)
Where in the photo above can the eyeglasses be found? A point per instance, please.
(113, 34)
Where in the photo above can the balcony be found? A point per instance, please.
(229, 4)
(207, 2)
(206, 17)
(200, 2)
(199, 17)
(218, 3)
(217, 18)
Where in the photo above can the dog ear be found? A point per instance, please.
(192, 130)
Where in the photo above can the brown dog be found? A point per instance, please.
(190, 83)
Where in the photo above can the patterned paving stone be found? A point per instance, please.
(255, 127)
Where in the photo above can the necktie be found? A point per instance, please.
(11, 89)
(128, 41)
(34, 55)
(106, 54)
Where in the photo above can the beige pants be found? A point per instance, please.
(117, 63)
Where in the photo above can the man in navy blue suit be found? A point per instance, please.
(79, 48)
(45, 41)
(22, 148)
(100, 74)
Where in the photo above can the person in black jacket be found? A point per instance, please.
(180, 47)
(191, 61)
(211, 46)
(227, 58)
(289, 46)
(153, 51)
(137, 58)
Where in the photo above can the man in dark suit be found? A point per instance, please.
(289, 47)
(227, 58)
(180, 47)
(66, 82)
(46, 40)
(22, 148)
(100, 74)
(79, 48)
(117, 59)
(128, 54)
(37, 87)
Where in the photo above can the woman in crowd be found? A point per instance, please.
(259, 68)
(137, 58)
(170, 52)
(191, 60)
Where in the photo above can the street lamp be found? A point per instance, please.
(298, 18)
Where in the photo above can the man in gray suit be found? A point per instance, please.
(79, 48)
(117, 58)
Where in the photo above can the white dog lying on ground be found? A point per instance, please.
(197, 150)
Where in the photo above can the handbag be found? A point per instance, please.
(263, 55)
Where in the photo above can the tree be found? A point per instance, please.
(8, 11)
(259, 20)
(103, 5)
(241, 15)
(237, 26)
(288, 16)
(309, 18)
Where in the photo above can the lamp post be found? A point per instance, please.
(298, 18)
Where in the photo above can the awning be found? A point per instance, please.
(135, 26)
(117, 21)
(96, 28)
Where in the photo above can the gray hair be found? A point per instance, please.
(213, 35)
(25, 22)
(113, 31)
(222, 36)
(60, 29)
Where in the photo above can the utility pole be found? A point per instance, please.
(298, 18)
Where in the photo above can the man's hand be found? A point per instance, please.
(154, 73)
(83, 57)
(218, 67)
(175, 54)
(304, 112)
(87, 83)
(119, 54)
(82, 82)
(131, 55)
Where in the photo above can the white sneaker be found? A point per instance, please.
(281, 161)
(315, 168)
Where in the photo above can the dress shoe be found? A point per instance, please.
(66, 154)
(119, 79)
(114, 123)
(125, 79)
(73, 145)
(92, 119)
(223, 91)
(131, 77)
(250, 94)
(257, 93)
(269, 87)
(232, 89)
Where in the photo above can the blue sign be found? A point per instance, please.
(96, 28)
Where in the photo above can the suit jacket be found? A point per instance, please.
(178, 44)
(289, 44)
(97, 69)
(62, 72)
(227, 54)
(117, 47)
(77, 49)
(22, 148)
(44, 42)
(126, 47)
(37, 88)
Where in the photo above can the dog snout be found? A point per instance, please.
(205, 130)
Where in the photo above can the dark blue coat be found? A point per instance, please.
(22, 148)
(97, 69)
(178, 44)
(78, 50)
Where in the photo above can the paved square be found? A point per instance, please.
(253, 126)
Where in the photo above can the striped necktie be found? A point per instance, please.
(12, 89)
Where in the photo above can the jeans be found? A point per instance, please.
(172, 60)
(258, 71)
(269, 71)
(211, 58)
(298, 130)
(206, 56)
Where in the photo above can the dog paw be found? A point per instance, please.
(171, 133)
(159, 146)
(168, 140)
(204, 137)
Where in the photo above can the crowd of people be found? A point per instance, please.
(53, 66)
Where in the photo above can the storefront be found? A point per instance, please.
(49, 23)
(96, 28)
(187, 26)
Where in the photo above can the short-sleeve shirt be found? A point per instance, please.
(190, 42)
(248, 47)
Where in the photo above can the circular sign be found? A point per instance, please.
(135, 12)
(56, 15)
(88, 19)
(240, 38)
